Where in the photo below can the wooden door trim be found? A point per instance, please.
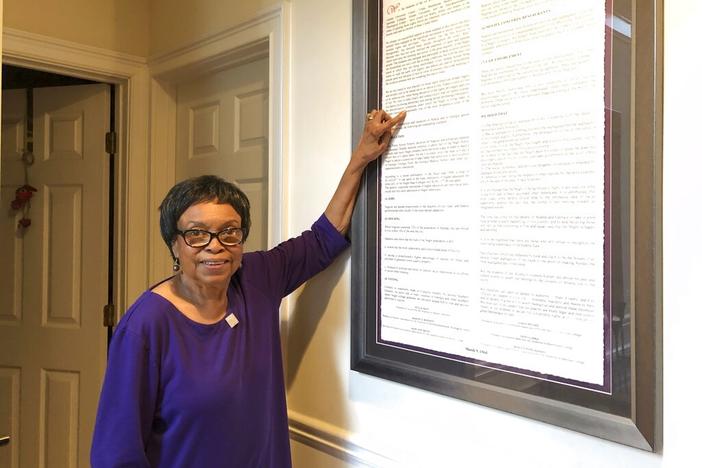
(266, 34)
(130, 74)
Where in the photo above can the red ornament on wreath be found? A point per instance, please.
(22, 196)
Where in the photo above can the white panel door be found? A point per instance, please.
(53, 277)
(13, 130)
(222, 129)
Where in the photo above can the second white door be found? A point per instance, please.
(53, 276)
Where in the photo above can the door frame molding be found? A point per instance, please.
(268, 34)
(130, 74)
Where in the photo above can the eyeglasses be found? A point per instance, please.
(201, 238)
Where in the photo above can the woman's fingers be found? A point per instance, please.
(390, 124)
(379, 122)
(378, 132)
(397, 119)
(384, 142)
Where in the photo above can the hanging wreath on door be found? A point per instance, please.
(24, 193)
(22, 201)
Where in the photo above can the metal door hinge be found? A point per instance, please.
(108, 315)
(111, 142)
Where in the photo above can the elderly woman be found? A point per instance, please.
(194, 376)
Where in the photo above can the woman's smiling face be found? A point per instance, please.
(215, 263)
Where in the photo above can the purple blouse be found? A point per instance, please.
(183, 394)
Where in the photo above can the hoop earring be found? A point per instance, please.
(176, 264)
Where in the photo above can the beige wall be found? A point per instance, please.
(320, 127)
(118, 25)
(138, 27)
(175, 23)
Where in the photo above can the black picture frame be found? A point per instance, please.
(632, 415)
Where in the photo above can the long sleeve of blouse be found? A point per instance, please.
(128, 400)
(285, 267)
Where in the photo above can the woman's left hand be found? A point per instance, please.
(374, 141)
(377, 133)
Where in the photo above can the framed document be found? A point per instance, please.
(506, 249)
